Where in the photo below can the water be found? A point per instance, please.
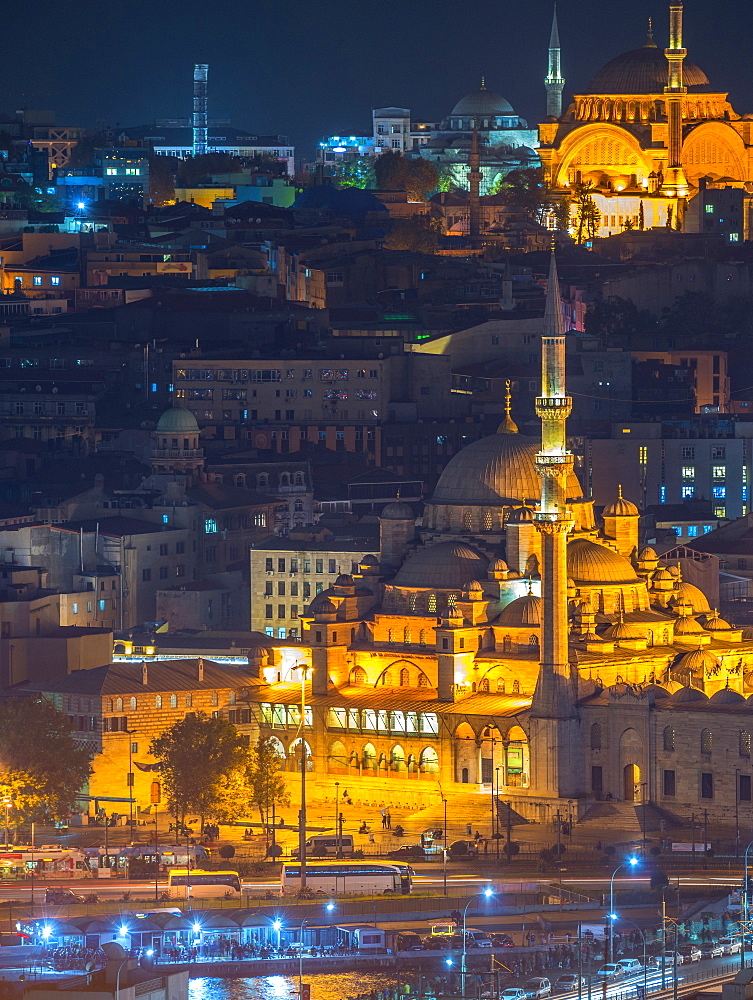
(324, 986)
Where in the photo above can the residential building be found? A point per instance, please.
(709, 374)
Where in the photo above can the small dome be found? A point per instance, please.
(588, 562)
(656, 690)
(620, 507)
(662, 575)
(521, 515)
(715, 623)
(322, 605)
(452, 613)
(647, 554)
(177, 421)
(499, 566)
(369, 561)
(689, 626)
(344, 580)
(483, 102)
(473, 587)
(256, 653)
(685, 695)
(697, 661)
(727, 696)
(625, 630)
(687, 593)
(523, 612)
(398, 511)
(446, 566)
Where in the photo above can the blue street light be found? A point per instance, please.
(330, 907)
(631, 863)
(448, 961)
(123, 930)
(197, 927)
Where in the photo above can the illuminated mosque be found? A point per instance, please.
(643, 133)
(511, 637)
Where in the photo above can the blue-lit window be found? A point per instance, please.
(154, 386)
(37, 279)
(244, 414)
(692, 531)
(165, 518)
(74, 608)
(662, 494)
(270, 632)
(687, 492)
(55, 279)
(719, 492)
(707, 528)
(281, 633)
(734, 237)
(210, 526)
(102, 605)
(677, 530)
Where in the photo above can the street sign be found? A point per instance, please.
(306, 991)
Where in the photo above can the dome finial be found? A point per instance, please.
(619, 491)
(508, 425)
(530, 586)
(650, 43)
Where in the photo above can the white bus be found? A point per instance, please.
(184, 883)
(346, 877)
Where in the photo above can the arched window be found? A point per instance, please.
(338, 760)
(432, 604)
(173, 701)
(284, 479)
(706, 741)
(413, 601)
(488, 521)
(467, 520)
(390, 635)
(387, 678)
(405, 677)
(397, 758)
(507, 644)
(483, 686)
(516, 686)
(533, 640)
(298, 505)
(107, 706)
(423, 680)
(669, 738)
(407, 636)
(133, 704)
(500, 686)
(429, 761)
(118, 704)
(369, 757)
(240, 480)
(744, 743)
(299, 479)
(452, 600)
(464, 776)
(158, 701)
(422, 637)
(262, 479)
(596, 736)
(298, 750)
(358, 677)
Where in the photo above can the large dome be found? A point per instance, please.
(483, 102)
(642, 71)
(177, 421)
(588, 562)
(446, 566)
(495, 470)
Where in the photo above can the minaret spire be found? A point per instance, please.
(554, 81)
(474, 186)
(508, 425)
(674, 95)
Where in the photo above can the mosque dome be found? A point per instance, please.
(662, 575)
(177, 420)
(588, 562)
(369, 561)
(689, 626)
(523, 612)
(647, 554)
(643, 71)
(521, 515)
(713, 622)
(685, 695)
(697, 661)
(499, 566)
(656, 690)
(446, 566)
(498, 469)
(398, 511)
(687, 593)
(256, 653)
(727, 696)
(625, 630)
(473, 587)
(322, 605)
(620, 507)
(483, 102)
(344, 580)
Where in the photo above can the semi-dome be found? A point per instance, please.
(398, 511)
(177, 420)
(727, 696)
(643, 71)
(446, 566)
(588, 562)
(685, 695)
(483, 102)
(687, 593)
(499, 469)
(523, 612)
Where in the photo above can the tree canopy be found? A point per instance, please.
(414, 175)
(266, 783)
(44, 766)
(419, 233)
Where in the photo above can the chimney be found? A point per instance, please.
(200, 669)
(144, 674)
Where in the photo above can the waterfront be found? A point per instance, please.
(327, 986)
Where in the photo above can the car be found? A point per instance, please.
(407, 941)
(502, 940)
(568, 983)
(477, 939)
(407, 851)
(513, 993)
(712, 949)
(630, 966)
(537, 987)
(437, 942)
(62, 897)
(668, 959)
(731, 945)
(610, 971)
(690, 953)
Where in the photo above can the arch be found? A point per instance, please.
(240, 480)
(407, 635)
(429, 761)
(133, 704)
(743, 743)
(714, 150)
(369, 758)
(516, 686)
(423, 680)
(296, 750)
(631, 780)
(404, 677)
(276, 746)
(422, 637)
(106, 705)
(668, 738)
(464, 775)
(631, 764)
(358, 677)
(397, 758)
(173, 701)
(593, 148)
(262, 479)
(431, 604)
(596, 736)
(299, 479)
(284, 479)
(118, 704)
(337, 760)
(386, 679)
(464, 731)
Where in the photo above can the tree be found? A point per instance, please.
(619, 322)
(390, 171)
(266, 783)
(201, 761)
(419, 233)
(421, 179)
(199, 169)
(587, 215)
(560, 211)
(357, 172)
(524, 192)
(162, 179)
(44, 766)
(641, 217)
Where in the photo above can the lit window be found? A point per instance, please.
(719, 471)
(55, 279)
(677, 530)
(692, 531)
(707, 528)
(688, 472)
(74, 608)
(687, 492)
(720, 511)
(709, 210)
(734, 237)
(719, 492)
(37, 279)
(165, 518)
(101, 605)
(662, 494)
(210, 526)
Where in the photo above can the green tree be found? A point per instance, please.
(641, 217)
(44, 766)
(561, 212)
(524, 192)
(265, 781)
(419, 233)
(446, 177)
(357, 172)
(587, 215)
(197, 758)
(421, 179)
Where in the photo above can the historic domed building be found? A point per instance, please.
(643, 132)
(505, 141)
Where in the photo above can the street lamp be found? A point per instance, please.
(643, 939)
(745, 907)
(277, 926)
(487, 892)
(631, 862)
(7, 803)
(304, 764)
(300, 961)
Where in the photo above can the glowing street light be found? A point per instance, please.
(630, 863)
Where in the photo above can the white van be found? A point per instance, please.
(326, 847)
(477, 939)
(630, 966)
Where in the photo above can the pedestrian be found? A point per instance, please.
(468, 830)
(389, 820)
(384, 819)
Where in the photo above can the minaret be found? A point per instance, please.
(199, 121)
(508, 425)
(474, 184)
(554, 82)
(553, 705)
(674, 93)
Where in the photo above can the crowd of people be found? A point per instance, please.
(62, 959)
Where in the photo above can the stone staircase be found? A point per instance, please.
(628, 818)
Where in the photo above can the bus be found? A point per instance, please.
(139, 860)
(188, 883)
(48, 861)
(346, 878)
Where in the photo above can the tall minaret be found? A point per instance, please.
(199, 120)
(674, 93)
(554, 82)
(474, 184)
(553, 707)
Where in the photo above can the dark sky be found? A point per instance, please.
(306, 68)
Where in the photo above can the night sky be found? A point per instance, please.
(306, 68)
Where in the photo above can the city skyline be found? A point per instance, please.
(292, 78)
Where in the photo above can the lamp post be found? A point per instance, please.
(631, 862)
(745, 907)
(277, 926)
(643, 939)
(737, 812)
(129, 733)
(300, 961)
(7, 803)
(117, 977)
(487, 893)
(304, 764)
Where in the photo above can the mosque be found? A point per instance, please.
(643, 133)
(511, 642)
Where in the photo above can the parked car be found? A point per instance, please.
(463, 849)
(61, 897)
(712, 949)
(513, 993)
(630, 966)
(690, 953)
(438, 942)
(609, 971)
(731, 945)
(537, 987)
(669, 959)
(409, 942)
(477, 939)
(407, 851)
(567, 983)
(502, 940)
